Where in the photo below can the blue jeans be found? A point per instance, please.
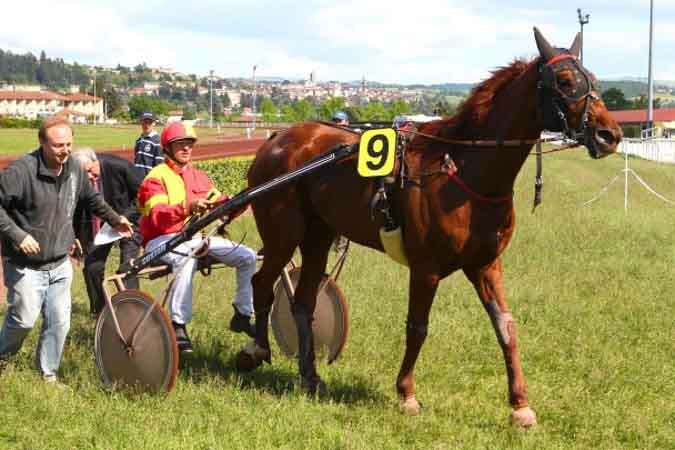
(29, 293)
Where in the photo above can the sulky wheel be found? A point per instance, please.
(331, 319)
(150, 363)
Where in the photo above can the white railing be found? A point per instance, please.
(660, 150)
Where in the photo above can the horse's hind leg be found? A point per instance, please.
(488, 283)
(281, 235)
(314, 248)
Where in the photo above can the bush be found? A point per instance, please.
(16, 122)
(229, 175)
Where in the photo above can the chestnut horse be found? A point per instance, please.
(450, 221)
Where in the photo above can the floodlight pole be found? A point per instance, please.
(210, 98)
(650, 81)
(95, 102)
(583, 20)
(255, 66)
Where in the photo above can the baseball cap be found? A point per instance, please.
(146, 116)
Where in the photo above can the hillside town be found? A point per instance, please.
(230, 98)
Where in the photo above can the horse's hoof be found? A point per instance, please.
(523, 417)
(410, 406)
(251, 357)
(313, 386)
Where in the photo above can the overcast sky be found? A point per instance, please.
(423, 41)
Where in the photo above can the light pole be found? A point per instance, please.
(95, 102)
(583, 20)
(650, 80)
(255, 66)
(210, 98)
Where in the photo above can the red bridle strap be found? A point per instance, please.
(560, 57)
(475, 195)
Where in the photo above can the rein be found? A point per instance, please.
(496, 143)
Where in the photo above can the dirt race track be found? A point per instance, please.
(211, 150)
(223, 149)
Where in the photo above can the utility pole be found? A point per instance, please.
(95, 102)
(255, 66)
(583, 20)
(210, 98)
(650, 81)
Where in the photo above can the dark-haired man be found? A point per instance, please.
(38, 196)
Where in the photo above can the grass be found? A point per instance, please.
(100, 137)
(590, 288)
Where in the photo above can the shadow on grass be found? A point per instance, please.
(215, 358)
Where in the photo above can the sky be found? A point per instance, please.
(390, 41)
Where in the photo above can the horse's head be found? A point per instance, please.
(569, 102)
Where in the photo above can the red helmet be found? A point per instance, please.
(176, 131)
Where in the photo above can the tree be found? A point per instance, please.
(269, 110)
(374, 111)
(330, 106)
(143, 103)
(225, 98)
(304, 110)
(398, 108)
(615, 99)
(113, 101)
(641, 102)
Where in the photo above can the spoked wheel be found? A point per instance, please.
(331, 318)
(149, 360)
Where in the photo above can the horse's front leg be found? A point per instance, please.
(488, 282)
(422, 290)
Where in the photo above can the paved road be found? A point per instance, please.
(210, 150)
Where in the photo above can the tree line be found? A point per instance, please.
(615, 99)
(53, 73)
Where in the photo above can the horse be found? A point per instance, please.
(459, 219)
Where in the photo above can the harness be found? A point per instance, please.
(553, 107)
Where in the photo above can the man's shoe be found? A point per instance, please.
(182, 338)
(241, 323)
(53, 382)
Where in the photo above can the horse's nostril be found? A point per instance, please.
(606, 136)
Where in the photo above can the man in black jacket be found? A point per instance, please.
(38, 196)
(117, 180)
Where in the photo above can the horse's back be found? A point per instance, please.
(289, 149)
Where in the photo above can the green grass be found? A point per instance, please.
(591, 289)
(100, 137)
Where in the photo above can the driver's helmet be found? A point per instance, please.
(176, 131)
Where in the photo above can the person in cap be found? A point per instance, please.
(341, 118)
(147, 150)
(38, 196)
(170, 194)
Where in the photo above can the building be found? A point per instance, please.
(664, 120)
(31, 104)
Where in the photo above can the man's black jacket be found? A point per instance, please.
(34, 201)
(120, 181)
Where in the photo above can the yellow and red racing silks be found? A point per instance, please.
(164, 195)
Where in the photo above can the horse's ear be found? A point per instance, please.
(575, 48)
(546, 50)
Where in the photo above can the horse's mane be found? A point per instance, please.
(476, 107)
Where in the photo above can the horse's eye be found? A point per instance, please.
(565, 83)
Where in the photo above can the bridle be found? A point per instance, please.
(554, 103)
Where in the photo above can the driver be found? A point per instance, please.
(171, 193)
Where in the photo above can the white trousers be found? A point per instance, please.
(229, 253)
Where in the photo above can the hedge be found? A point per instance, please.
(16, 122)
(229, 175)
